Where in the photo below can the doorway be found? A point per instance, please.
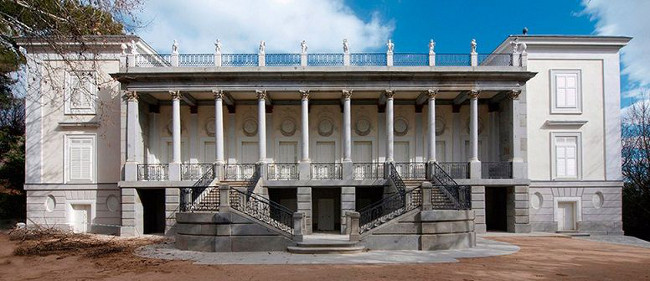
(326, 209)
(566, 219)
(496, 208)
(153, 210)
(80, 218)
(287, 197)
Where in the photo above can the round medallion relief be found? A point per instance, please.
(288, 127)
(536, 200)
(325, 127)
(401, 126)
(598, 199)
(440, 125)
(170, 127)
(112, 203)
(209, 127)
(480, 126)
(50, 203)
(362, 127)
(250, 127)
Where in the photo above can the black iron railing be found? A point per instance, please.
(253, 180)
(262, 209)
(195, 171)
(282, 171)
(153, 172)
(200, 197)
(391, 207)
(496, 170)
(239, 172)
(412, 170)
(459, 195)
(364, 171)
(456, 170)
(326, 171)
(396, 179)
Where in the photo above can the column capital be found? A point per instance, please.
(261, 94)
(218, 94)
(473, 94)
(432, 93)
(304, 94)
(514, 94)
(347, 94)
(176, 95)
(389, 93)
(131, 96)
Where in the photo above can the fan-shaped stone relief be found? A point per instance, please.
(210, 127)
(441, 125)
(288, 127)
(363, 126)
(401, 126)
(249, 127)
(325, 127)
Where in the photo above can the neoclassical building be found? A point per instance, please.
(246, 152)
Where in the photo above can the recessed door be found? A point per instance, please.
(325, 152)
(249, 152)
(566, 216)
(441, 151)
(287, 152)
(209, 152)
(80, 218)
(326, 214)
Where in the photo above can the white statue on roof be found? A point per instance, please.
(217, 46)
(473, 45)
(346, 46)
(390, 46)
(431, 46)
(175, 47)
(262, 47)
(303, 46)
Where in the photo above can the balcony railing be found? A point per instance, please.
(282, 59)
(153, 172)
(453, 60)
(456, 170)
(282, 171)
(411, 170)
(495, 59)
(411, 59)
(152, 60)
(496, 170)
(365, 171)
(325, 59)
(239, 172)
(368, 59)
(239, 60)
(194, 171)
(326, 171)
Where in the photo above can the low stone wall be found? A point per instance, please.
(226, 232)
(425, 230)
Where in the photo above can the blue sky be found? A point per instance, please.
(241, 24)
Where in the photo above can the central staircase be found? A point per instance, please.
(326, 244)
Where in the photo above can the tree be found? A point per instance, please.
(55, 24)
(636, 168)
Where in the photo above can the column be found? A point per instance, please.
(218, 127)
(261, 124)
(347, 124)
(519, 168)
(305, 162)
(475, 164)
(174, 167)
(304, 206)
(431, 130)
(390, 133)
(431, 157)
(133, 124)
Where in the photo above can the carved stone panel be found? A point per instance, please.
(250, 127)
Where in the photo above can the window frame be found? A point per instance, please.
(554, 136)
(69, 109)
(566, 110)
(66, 158)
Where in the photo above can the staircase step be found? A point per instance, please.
(326, 250)
(315, 244)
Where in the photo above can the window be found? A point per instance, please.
(81, 92)
(566, 91)
(80, 158)
(566, 154)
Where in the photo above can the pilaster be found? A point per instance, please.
(304, 206)
(348, 203)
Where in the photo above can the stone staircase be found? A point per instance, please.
(326, 244)
(438, 199)
(211, 199)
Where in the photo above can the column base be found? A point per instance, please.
(519, 170)
(174, 171)
(304, 170)
(131, 171)
(475, 169)
(348, 171)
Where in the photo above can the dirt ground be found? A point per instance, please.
(540, 258)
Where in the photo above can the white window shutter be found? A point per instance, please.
(80, 159)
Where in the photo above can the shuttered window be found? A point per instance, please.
(566, 157)
(566, 91)
(81, 159)
(81, 93)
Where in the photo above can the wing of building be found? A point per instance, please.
(234, 152)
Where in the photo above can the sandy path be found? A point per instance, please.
(540, 258)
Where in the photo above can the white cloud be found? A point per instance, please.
(241, 24)
(630, 18)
